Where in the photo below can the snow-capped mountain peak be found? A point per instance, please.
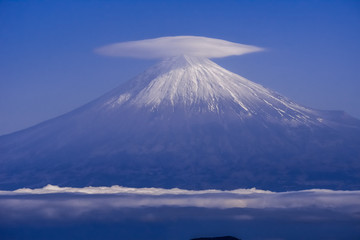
(200, 84)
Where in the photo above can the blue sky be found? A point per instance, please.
(48, 66)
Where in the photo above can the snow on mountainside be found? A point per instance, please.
(187, 122)
(202, 85)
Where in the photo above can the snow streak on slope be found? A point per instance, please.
(202, 85)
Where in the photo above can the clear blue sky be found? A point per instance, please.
(47, 64)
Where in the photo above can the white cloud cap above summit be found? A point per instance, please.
(174, 46)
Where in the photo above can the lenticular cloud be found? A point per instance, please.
(174, 46)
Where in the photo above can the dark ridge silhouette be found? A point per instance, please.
(217, 238)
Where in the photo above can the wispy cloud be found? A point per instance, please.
(174, 46)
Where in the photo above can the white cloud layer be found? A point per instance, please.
(53, 202)
(170, 211)
(156, 197)
(116, 189)
(174, 46)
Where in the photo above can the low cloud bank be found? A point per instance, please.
(66, 202)
(125, 190)
(178, 45)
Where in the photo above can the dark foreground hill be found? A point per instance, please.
(217, 238)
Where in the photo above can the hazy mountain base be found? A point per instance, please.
(191, 156)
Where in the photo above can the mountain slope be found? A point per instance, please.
(187, 122)
(201, 85)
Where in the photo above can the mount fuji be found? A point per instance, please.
(187, 122)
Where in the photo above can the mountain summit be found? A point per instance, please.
(198, 84)
(187, 122)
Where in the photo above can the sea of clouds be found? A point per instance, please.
(53, 202)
